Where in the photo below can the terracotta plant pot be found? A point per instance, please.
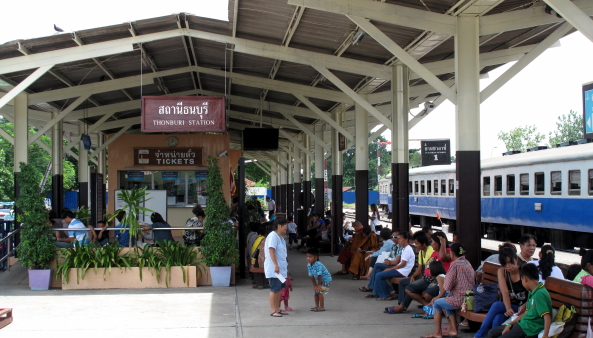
(39, 279)
(221, 275)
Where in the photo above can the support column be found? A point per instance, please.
(337, 202)
(21, 149)
(101, 169)
(319, 198)
(83, 170)
(57, 178)
(273, 180)
(242, 216)
(289, 186)
(306, 186)
(361, 178)
(400, 202)
(282, 185)
(468, 137)
(297, 188)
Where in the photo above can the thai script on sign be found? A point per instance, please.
(199, 114)
(179, 108)
(168, 156)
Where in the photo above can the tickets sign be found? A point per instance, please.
(199, 114)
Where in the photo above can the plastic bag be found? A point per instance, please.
(555, 328)
(511, 318)
(589, 330)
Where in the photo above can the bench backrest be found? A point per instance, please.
(576, 294)
(490, 273)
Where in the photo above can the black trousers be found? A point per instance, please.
(515, 332)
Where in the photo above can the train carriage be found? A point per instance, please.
(547, 192)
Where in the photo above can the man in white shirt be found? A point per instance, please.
(82, 236)
(271, 206)
(382, 288)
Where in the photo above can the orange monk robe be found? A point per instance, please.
(358, 264)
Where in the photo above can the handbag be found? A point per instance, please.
(254, 257)
(484, 296)
(569, 317)
(469, 300)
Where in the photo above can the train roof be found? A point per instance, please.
(562, 154)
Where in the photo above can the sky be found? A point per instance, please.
(549, 87)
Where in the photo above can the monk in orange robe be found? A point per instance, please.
(352, 257)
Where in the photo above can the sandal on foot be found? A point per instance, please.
(314, 309)
(417, 315)
(365, 289)
(287, 309)
(339, 273)
(275, 314)
(428, 317)
(355, 277)
(371, 296)
(320, 310)
(284, 313)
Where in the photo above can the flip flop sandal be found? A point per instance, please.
(371, 296)
(340, 273)
(428, 317)
(284, 313)
(364, 289)
(276, 314)
(391, 311)
(320, 310)
(355, 277)
(314, 309)
(417, 315)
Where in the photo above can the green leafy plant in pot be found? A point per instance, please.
(37, 248)
(219, 245)
(132, 199)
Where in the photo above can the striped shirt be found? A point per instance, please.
(460, 278)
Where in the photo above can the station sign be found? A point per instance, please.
(168, 156)
(436, 152)
(170, 175)
(198, 114)
(588, 110)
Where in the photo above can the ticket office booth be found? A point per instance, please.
(177, 164)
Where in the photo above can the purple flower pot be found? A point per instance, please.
(39, 279)
(221, 275)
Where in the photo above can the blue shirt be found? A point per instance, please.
(123, 236)
(387, 246)
(80, 236)
(161, 235)
(279, 244)
(318, 269)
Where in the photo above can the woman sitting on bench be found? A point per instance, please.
(513, 292)
(586, 264)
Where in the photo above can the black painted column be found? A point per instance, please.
(361, 179)
(400, 199)
(242, 216)
(83, 171)
(337, 201)
(57, 179)
(468, 203)
(403, 197)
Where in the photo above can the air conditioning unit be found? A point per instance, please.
(512, 152)
(537, 148)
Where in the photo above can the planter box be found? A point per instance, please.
(130, 279)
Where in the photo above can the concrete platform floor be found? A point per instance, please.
(237, 311)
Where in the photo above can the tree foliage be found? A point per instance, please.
(255, 174)
(415, 158)
(219, 245)
(38, 158)
(521, 138)
(568, 128)
(37, 248)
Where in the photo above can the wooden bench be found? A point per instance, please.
(5, 317)
(562, 292)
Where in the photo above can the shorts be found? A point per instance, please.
(324, 288)
(292, 238)
(275, 285)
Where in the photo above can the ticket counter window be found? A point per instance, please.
(183, 187)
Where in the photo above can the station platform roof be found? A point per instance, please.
(265, 59)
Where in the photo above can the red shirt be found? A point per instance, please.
(435, 256)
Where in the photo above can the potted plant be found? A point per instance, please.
(132, 199)
(37, 248)
(219, 245)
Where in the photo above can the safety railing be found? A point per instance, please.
(8, 244)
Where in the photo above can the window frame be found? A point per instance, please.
(436, 187)
(410, 188)
(416, 187)
(496, 185)
(571, 190)
(422, 187)
(527, 191)
(446, 188)
(535, 187)
(514, 185)
(552, 186)
(451, 185)
(484, 185)
(429, 187)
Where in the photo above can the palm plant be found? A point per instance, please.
(132, 198)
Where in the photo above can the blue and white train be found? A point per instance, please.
(547, 192)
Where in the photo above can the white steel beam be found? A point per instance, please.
(289, 152)
(525, 18)
(6, 136)
(420, 116)
(525, 61)
(257, 119)
(120, 123)
(111, 139)
(574, 15)
(297, 143)
(354, 95)
(255, 161)
(58, 118)
(404, 57)
(306, 130)
(379, 11)
(24, 84)
(324, 116)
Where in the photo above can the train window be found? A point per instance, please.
(574, 177)
(556, 180)
(410, 188)
(524, 179)
(590, 182)
(451, 187)
(510, 184)
(436, 187)
(416, 187)
(429, 187)
(486, 185)
(443, 187)
(497, 185)
(422, 188)
(540, 184)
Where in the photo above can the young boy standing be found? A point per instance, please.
(292, 232)
(537, 316)
(320, 278)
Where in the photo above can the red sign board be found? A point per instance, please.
(198, 114)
